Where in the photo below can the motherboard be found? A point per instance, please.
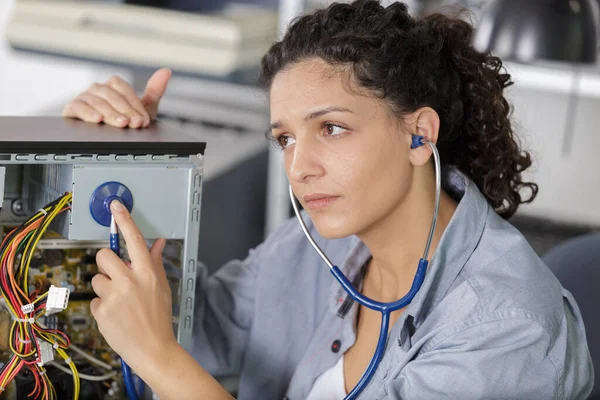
(59, 262)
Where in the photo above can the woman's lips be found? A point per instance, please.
(319, 201)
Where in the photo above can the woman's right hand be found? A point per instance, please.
(115, 102)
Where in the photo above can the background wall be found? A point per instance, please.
(568, 175)
(31, 84)
(569, 181)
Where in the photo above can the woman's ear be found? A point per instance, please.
(427, 125)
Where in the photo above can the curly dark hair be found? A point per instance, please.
(417, 62)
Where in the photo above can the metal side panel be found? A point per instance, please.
(189, 258)
(159, 199)
(2, 176)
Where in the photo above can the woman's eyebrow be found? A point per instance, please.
(275, 125)
(327, 110)
(314, 114)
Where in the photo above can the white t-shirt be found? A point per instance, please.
(330, 385)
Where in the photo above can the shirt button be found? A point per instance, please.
(336, 345)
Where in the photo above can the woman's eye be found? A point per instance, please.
(334, 130)
(285, 141)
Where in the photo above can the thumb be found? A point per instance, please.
(155, 89)
(156, 251)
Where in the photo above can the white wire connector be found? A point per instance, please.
(43, 211)
(55, 345)
(45, 352)
(28, 308)
(68, 361)
(58, 299)
(29, 320)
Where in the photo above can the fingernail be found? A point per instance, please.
(146, 121)
(116, 205)
(121, 119)
(96, 116)
(136, 121)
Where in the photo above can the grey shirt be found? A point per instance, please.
(490, 321)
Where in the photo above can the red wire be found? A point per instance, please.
(41, 383)
(12, 360)
(55, 331)
(10, 294)
(37, 388)
(17, 369)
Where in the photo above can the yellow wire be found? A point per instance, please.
(23, 273)
(10, 342)
(56, 209)
(76, 382)
(13, 362)
(7, 302)
(29, 221)
(26, 254)
(40, 298)
(53, 394)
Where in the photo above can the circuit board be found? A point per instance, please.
(74, 268)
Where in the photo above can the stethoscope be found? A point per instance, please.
(385, 308)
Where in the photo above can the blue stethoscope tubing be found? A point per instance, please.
(132, 393)
(385, 308)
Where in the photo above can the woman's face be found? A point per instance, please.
(346, 157)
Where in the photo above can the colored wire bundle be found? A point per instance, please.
(28, 339)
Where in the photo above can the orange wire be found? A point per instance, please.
(4, 255)
(11, 257)
(37, 387)
(15, 244)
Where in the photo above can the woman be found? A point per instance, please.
(348, 88)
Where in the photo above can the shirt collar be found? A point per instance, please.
(456, 246)
(459, 240)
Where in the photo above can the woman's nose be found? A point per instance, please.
(305, 163)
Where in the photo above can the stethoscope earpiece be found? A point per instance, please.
(417, 141)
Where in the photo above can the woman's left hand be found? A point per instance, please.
(133, 308)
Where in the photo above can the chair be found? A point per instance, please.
(576, 264)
